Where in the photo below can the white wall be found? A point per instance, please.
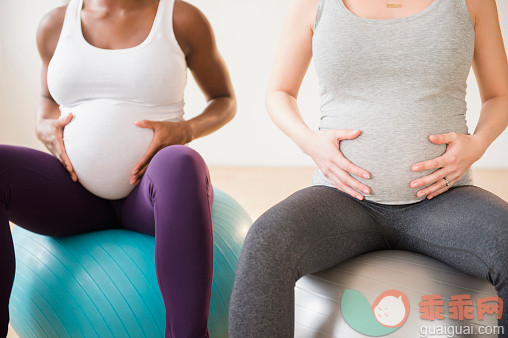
(247, 33)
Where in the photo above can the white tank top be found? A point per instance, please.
(107, 90)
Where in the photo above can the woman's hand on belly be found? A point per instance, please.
(165, 134)
(50, 133)
(323, 148)
(461, 152)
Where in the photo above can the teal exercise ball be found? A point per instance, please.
(103, 283)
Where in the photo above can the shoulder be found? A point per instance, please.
(48, 31)
(192, 28)
(303, 12)
(187, 13)
(482, 10)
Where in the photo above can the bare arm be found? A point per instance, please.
(196, 37)
(490, 66)
(491, 70)
(48, 127)
(292, 60)
(47, 39)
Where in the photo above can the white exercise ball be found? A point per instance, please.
(326, 301)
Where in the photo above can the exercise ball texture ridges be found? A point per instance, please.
(103, 283)
(319, 296)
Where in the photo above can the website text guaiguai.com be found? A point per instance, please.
(454, 330)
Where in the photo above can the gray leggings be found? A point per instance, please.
(319, 227)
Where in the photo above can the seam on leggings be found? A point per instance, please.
(490, 271)
(208, 186)
(374, 217)
(297, 268)
(395, 211)
(209, 207)
(152, 197)
(151, 189)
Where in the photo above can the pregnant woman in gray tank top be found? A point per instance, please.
(398, 76)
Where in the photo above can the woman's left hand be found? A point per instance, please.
(461, 152)
(165, 134)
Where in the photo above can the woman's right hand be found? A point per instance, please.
(323, 147)
(50, 133)
(292, 59)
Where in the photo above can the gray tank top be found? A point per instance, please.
(398, 81)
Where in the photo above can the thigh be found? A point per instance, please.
(39, 195)
(314, 229)
(466, 227)
(136, 211)
(176, 187)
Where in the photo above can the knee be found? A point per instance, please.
(178, 155)
(12, 156)
(6, 156)
(9, 158)
(178, 167)
(177, 160)
(500, 270)
(500, 252)
(270, 249)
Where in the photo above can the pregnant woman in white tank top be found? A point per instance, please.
(393, 151)
(111, 113)
(107, 89)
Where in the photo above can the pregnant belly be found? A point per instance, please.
(388, 152)
(104, 145)
(389, 159)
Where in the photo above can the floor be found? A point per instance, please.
(259, 188)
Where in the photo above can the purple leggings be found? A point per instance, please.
(172, 202)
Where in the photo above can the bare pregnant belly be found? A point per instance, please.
(104, 145)
(388, 152)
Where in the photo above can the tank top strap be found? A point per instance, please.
(166, 8)
(72, 18)
(335, 8)
(319, 12)
(165, 28)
